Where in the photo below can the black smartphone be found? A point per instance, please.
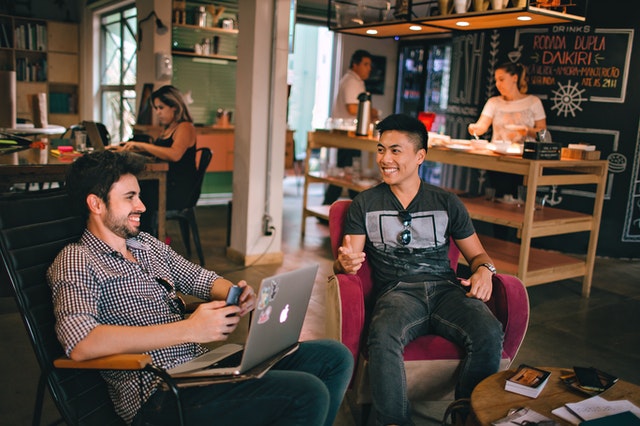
(234, 295)
(588, 378)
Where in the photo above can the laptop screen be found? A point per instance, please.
(97, 135)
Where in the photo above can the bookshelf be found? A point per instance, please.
(44, 55)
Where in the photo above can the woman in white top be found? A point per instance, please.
(514, 115)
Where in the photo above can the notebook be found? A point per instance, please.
(282, 302)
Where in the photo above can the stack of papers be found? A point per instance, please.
(594, 408)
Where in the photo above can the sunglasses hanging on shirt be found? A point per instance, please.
(404, 237)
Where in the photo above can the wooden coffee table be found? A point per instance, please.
(489, 400)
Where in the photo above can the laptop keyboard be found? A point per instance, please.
(232, 360)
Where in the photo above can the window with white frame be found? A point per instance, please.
(118, 65)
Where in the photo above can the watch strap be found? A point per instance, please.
(489, 266)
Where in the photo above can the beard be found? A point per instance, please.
(121, 226)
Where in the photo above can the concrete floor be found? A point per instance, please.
(565, 329)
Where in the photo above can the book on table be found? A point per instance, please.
(528, 381)
(626, 418)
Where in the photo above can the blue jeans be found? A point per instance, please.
(306, 388)
(410, 310)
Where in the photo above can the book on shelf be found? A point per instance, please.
(4, 40)
(528, 381)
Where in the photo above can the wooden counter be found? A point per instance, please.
(38, 165)
(532, 266)
(219, 139)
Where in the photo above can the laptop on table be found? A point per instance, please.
(276, 322)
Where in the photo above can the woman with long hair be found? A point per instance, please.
(513, 115)
(177, 145)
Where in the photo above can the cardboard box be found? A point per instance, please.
(541, 151)
(579, 154)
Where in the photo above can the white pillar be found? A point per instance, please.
(260, 131)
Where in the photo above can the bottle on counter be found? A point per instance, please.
(364, 114)
(201, 17)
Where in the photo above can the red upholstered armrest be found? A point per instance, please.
(352, 301)
(510, 304)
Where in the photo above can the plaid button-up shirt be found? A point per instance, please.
(92, 284)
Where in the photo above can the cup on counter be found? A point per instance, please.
(356, 168)
(522, 194)
(81, 141)
(461, 6)
(490, 194)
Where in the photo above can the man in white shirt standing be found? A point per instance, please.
(345, 107)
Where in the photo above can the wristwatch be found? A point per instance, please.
(490, 267)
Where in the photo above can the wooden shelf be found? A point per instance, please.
(546, 221)
(212, 30)
(369, 21)
(53, 47)
(321, 212)
(195, 55)
(544, 265)
(533, 266)
(343, 182)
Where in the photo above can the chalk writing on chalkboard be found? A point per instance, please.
(574, 64)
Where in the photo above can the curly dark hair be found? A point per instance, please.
(95, 173)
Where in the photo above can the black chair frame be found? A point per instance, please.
(34, 227)
(187, 216)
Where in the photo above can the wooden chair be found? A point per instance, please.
(431, 361)
(187, 216)
(34, 227)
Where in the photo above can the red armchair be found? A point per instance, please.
(431, 361)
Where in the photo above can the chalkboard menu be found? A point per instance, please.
(572, 64)
(581, 73)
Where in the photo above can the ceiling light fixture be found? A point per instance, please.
(524, 18)
(462, 23)
(372, 32)
(415, 28)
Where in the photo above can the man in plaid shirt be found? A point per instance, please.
(114, 291)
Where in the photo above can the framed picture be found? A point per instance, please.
(144, 111)
(375, 82)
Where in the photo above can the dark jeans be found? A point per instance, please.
(410, 310)
(306, 389)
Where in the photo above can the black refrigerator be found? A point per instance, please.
(423, 79)
(422, 89)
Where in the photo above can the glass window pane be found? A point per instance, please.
(118, 72)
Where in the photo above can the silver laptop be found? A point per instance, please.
(282, 302)
(96, 138)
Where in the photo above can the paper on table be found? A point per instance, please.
(594, 408)
(520, 417)
(565, 414)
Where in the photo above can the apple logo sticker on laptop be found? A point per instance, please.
(284, 313)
